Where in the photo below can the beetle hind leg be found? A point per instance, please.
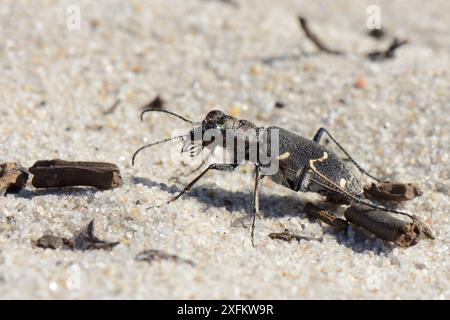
(317, 138)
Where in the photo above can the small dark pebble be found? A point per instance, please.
(10, 220)
(377, 33)
(280, 104)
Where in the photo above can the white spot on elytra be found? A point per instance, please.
(284, 156)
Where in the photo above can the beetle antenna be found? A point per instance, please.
(169, 112)
(154, 144)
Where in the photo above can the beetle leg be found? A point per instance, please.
(255, 206)
(317, 138)
(205, 160)
(214, 166)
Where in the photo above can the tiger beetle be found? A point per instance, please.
(302, 164)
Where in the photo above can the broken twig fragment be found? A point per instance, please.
(289, 236)
(49, 241)
(314, 212)
(86, 240)
(59, 173)
(378, 55)
(83, 240)
(313, 37)
(13, 177)
(157, 255)
(385, 226)
(392, 191)
(113, 107)
(389, 53)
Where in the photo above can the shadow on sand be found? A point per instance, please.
(270, 205)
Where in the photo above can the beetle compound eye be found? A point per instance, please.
(214, 115)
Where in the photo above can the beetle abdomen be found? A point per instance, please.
(297, 153)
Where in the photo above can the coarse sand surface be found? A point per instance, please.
(58, 80)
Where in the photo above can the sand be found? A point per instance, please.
(56, 82)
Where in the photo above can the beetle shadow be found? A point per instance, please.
(273, 206)
(288, 57)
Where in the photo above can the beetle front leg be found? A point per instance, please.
(214, 166)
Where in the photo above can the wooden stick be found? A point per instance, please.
(385, 226)
(59, 173)
(311, 36)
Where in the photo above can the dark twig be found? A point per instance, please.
(113, 107)
(289, 236)
(319, 44)
(389, 53)
(379, 55)
(86, 240)
(83, 240)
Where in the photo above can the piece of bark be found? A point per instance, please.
(49, 241)
(392, 191)
(157, 255)
(314, 212)
(386, 227)
(13, 177)
(83, 240)
(59, 173)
